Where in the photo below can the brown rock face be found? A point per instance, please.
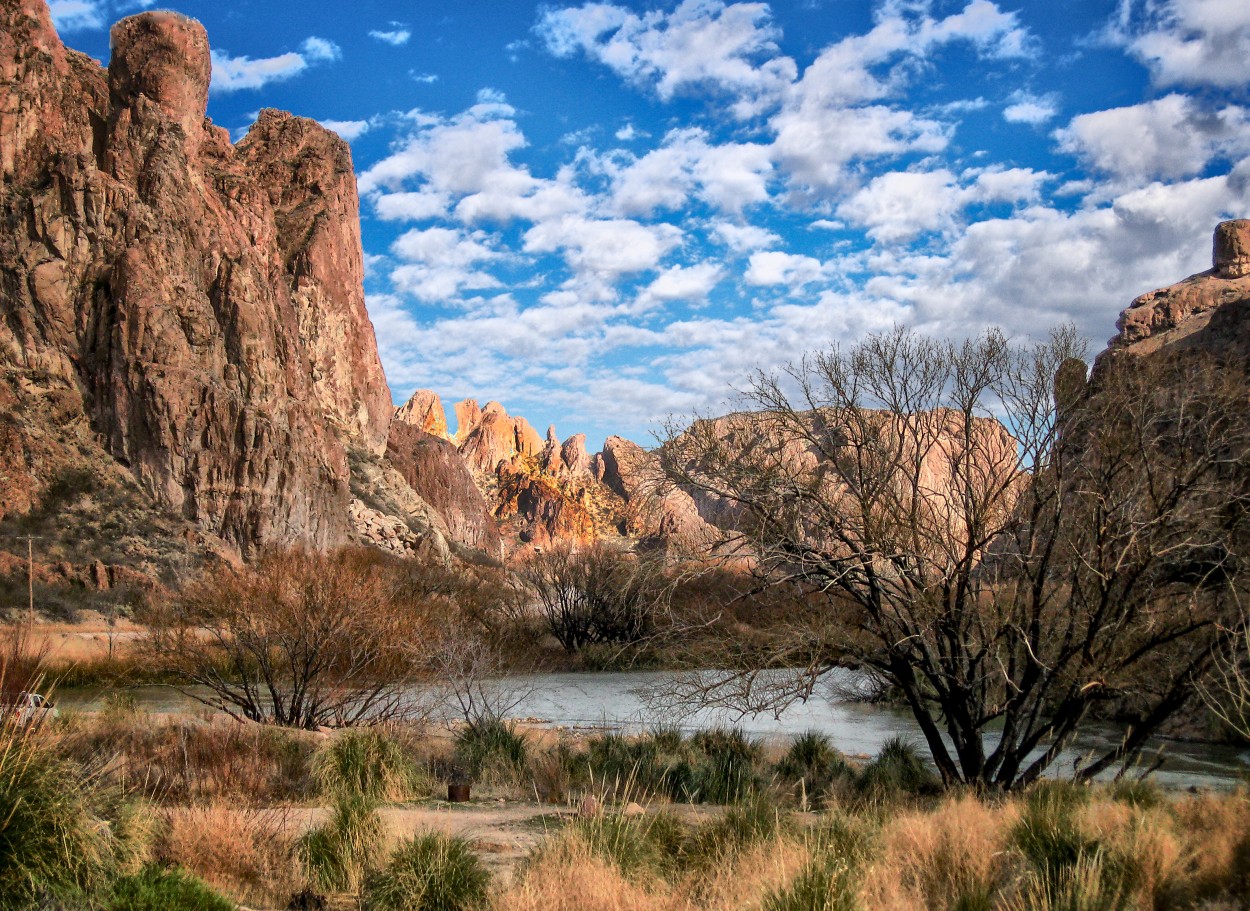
(1232, 249)
(654, 508)
(206, 299)
(424, 410)
(306, 171)
(574, 455)
(435, 470)
(1209, 311)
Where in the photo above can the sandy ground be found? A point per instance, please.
(72, 643)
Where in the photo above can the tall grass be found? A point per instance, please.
(492, 748)
(54, 837)
(156, 889)
(429, 872)
(340, 854)
(368, 764)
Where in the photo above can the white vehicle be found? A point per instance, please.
(28, 708)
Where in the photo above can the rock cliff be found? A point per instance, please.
(1207, 312)
(194, 307)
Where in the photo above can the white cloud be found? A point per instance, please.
(772, 267)
(230, 74)
(423, 78)
(744, 238)
(348, 129)
(415, 206)
(396, 37)
(440, 262)
(603, 249)
(1032, 109)
(627, 133)
(320, 50)
(727, 47)
(1170, 137)
(77, 15)
(900, 205)
(1191, 42)
(682, 283)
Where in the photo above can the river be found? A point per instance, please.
(619, 701)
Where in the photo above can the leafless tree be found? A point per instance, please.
(596, 594)
(973, 525)
(300, 639)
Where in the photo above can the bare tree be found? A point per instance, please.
(597, 594)
(1005, 565)
(300, 639)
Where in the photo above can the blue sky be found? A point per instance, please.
(601, 214)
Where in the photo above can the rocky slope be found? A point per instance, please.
(532, 491)
(1207, 312)
(182, 316)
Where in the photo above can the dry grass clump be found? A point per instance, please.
(575, 878)
(951, 859)
(195, 760)
(248, 854)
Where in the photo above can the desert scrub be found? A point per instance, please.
(55, 831)
(338, 855)
(811, 767)
(367, 763)
(728, 765)
(155, 889)
(751, 822)
(430, 872)
(639, 847)
(898, 770)
(492, 748)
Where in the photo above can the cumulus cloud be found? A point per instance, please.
(603, 249)
(727, 47)
(744, 238)
(682, 283)
(348, 129)
(441, 262)
(773, 267)
(1032, 109)
(1167, 138)
(231, 74)
(1190, 42)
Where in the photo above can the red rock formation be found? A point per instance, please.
(424, 410)
(206, 299)
(574, 455)
(435, 470)
(655, 509)
(468, 416)
(1209, 311)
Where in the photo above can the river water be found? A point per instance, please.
(621, 701)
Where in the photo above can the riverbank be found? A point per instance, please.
(659, 822)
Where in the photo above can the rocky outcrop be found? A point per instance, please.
(655, 508)
(1209, 311)
(306, 171)
(435, 470)
(424, 410)
(205, 298)
(574, 455)
(489, 436)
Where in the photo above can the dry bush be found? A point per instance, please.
(573, 878)
(940, 860)
(753, 874)
(191, 760)
(246, 853)
(300, 638)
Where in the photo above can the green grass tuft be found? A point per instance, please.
(428, 873)
(367, 764)
(154, 889)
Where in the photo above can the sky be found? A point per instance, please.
(603, 214)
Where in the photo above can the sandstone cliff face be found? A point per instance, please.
(424, 410)
(206, 299)
(435, 470)
(1207, 312)
(655, 509)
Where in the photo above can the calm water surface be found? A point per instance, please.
(619, 701)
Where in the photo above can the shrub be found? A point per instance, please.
(813, 765)
(366, 763)
(52, 834)
(826, 883)
(154, 889)
(727, 770)
(751, 822)
(428, 873)
(492, 745)
(338, 854)
(636, 845)
(898, 769)
(1088, 884)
